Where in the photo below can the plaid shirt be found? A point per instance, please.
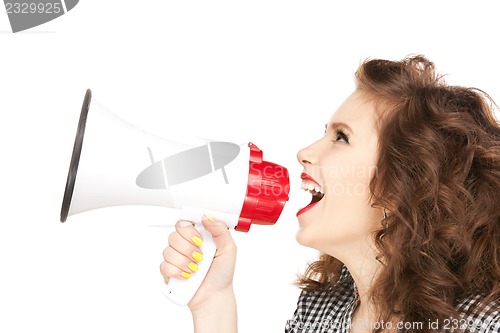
(331, 312)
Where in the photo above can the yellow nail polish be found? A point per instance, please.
(197, 240)
(210, 219)
(186, 275)
(197, 256)
(193, 267)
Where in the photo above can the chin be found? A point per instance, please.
(310, 230)
(306, 238)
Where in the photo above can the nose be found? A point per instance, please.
(307, 155)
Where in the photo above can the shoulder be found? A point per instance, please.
(478, 317)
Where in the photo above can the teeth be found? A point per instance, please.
(308, 185)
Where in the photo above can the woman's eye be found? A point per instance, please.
(340, 136)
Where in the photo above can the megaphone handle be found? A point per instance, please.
(182, 291)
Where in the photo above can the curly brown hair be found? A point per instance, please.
(439, 180)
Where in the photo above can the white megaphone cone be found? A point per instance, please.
(115, 163)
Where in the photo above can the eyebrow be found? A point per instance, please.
(338, 124)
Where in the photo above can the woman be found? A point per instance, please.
(405, 214)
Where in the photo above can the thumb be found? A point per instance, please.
(220, 233)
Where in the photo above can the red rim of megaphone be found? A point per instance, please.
(267, 191)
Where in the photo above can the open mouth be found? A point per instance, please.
(310, 185)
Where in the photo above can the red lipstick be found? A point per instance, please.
(304, 175)
(306, 208)
(313, 203)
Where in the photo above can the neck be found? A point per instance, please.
(363, 266)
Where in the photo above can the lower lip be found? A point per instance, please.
(306, 208)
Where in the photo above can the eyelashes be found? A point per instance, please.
(340, 136)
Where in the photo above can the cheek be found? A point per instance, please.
(345, 213)
(346, 181)
(348, 200)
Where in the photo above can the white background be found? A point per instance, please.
(270, 72)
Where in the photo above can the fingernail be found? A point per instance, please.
(210, 219)
(197, 240)
(193, 267)
(186, 275)
(197, 256)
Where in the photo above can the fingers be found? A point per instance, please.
(220, 233)
(187, 230)
(183, 253)
(169, 270)
(184, 246)
(183, 267)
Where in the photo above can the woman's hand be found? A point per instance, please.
(183, 253)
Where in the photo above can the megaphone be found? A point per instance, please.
(115, 163)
